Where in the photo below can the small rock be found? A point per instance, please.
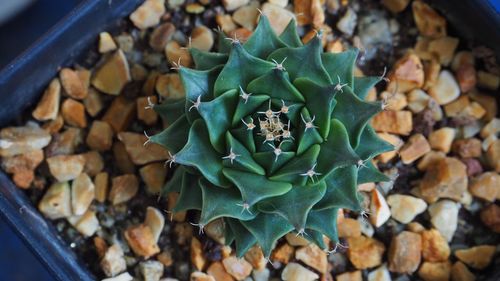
(434, 246)
(446, 89)
(395, 101)
(488, 80)
(279, 17)
(151, 270)
(417, 100)
(379, 209)
(200, 276)
(120, 114)
(54, 126)
(407, 74)
(154, 176)
(444, 217)
(405, 252)
(490, 216)
(101, 186)
(111, 77)
(380, 274)
(256, 258)
(442, 139)
(260, 275)
(478, 257)
(416, 147)
(145, 112)
(347, 23)
(19, 140)
(460, 272)
(195, 8)
(296, 272)
(232, 5)
(217, 270)
(65, 143)
(82, 194)
(395, 141)
(364, 252)
(123, 188)
(348, 227)
(66, 167)
(196, 253)
(161, 35)
(176, 54)
(215, 229)
(466, 77)
(22, 166)
(139, 153)
(432, 69)
(155, 221)
(106, 43)
(122, 277)
(56, 203)
(225, 22)
(446, 178)
(444, 48)
(165, 258)
(100, 136)
(202, 38)
(282, 253)
(93, 103)
(296, 240)
(94, 163)
(435, 271)
(350, 276)
(491, 128)
(395, 6)
(467, 148)
(72, 84)
(493, 155)
(122, 160)
(395, 122)
(141, 240)
(148, 14)
(430, 159)
(48, 106)
(238, 268)
(170, 86)
(428, 21)
(113, 262)
(87, 224)
(73, 113)
(405, 208)
(246, 16)
(486, 186)
(313, 256)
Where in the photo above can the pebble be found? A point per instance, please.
(148, 14)
(122, 159)
(225, 22)
(215, 229)
(394, 122)
(282, 253)
(120, 114)
(113, 262)
(404, 208)
(82, 194)
(435, 248)
(144, 112)
(350, 276)
(478, 257)
(122, 277)
(217, 270)
(155, 221)
(48, 106)
(490, 216)
(106, 43)
(313, 256)
(93, 103)
(56, 202)
(347, 23)
(141, 240)
(407, 74)
(442, 139)
(395, 6)
(405, 252)
(196, 252)
(123, 188)
(238, 268)
(279, 17)
(94, 163)
(100, 136)
(428, 21)
(154, 176)
(176, 54)
(414, 148)
(446, 178)
(161, 35)
(460, 272)
(379, 210)
(446, 88)
(296, 272)
(348, 227)
(73, 84)
(111, 77)
(66, 167)
(493, 155)
(64, 143)
(101, 186)
(19, 140)
(417, 100)
(22, 167)
(170, 86)
(73, 113)
(435, 271)
(444, 48)
(87, 224)
(232, 5)
(380, 274)
(202, 38)
(486, 186)
(444, 217)
(366, 228)
(467, 148)
(364, 252)
(296, 240)
(151, 270)
(256, 258)
(139, 153)
(246, 16)
(200, 276)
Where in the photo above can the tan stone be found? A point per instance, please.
(165, 258)
(238, 268)
(429, 159)
(48, 106)
(139, 152)
(428, 21)
(106, 43)
(145, 112)
(488, 80)
(486, 186)
(491, 128)
(405, 208)
(394, 140)
(434, 246)
(155, 220)
(446, 88)
(20, 140)
(176, 54)
(349, 276)
(487, 102)
(93, 103)
(225, 22)
(395, 6)
(154, 176)
(417, 100)
(120, 114)
(431, 70)
(493, 155)
(100, 136)
(181, 216)
(72, 84)
(442, 139)
(64, 143)
(490, 216)
(348, 227)
(313, 256)
(395, 101)
(460, 272)
(73, 113)
(407, 74)
(113, 262)
(217, 270)
(395, 122)
(446, 178)
(282, 253)
(101, 186)
(148, 14)
(202, 38)
(444, 48)
(438, 271)
(82, 194)
(56, 202)
(278, 16)
(467, 148)
(196, 253)
(200, 276)
(379, 209)
(161, 35)
(28, 161)
(416, 147)
(246, 16)
(113, 75)
(405, 252)
(215, 229)
(478, 257)
(444, 217)
(53, 126)
(123, 188)
(122, 159)
(87, 224)
(302, 10)
(141, 240)
(365, 252)
(66, 167)
(415, 227)
(296, 272)
(466, 77)
(296, 240)
(241, 33)
(256, 258)
(94, 163)
(170, 86)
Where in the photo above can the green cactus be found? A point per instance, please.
(273, 137)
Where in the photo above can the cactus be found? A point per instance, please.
(272, 137)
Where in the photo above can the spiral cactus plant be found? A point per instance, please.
(272, 137)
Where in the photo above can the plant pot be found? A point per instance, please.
(23, 81)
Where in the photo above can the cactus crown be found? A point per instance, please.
(272, 137)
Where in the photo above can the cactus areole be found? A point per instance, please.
(272, 137)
